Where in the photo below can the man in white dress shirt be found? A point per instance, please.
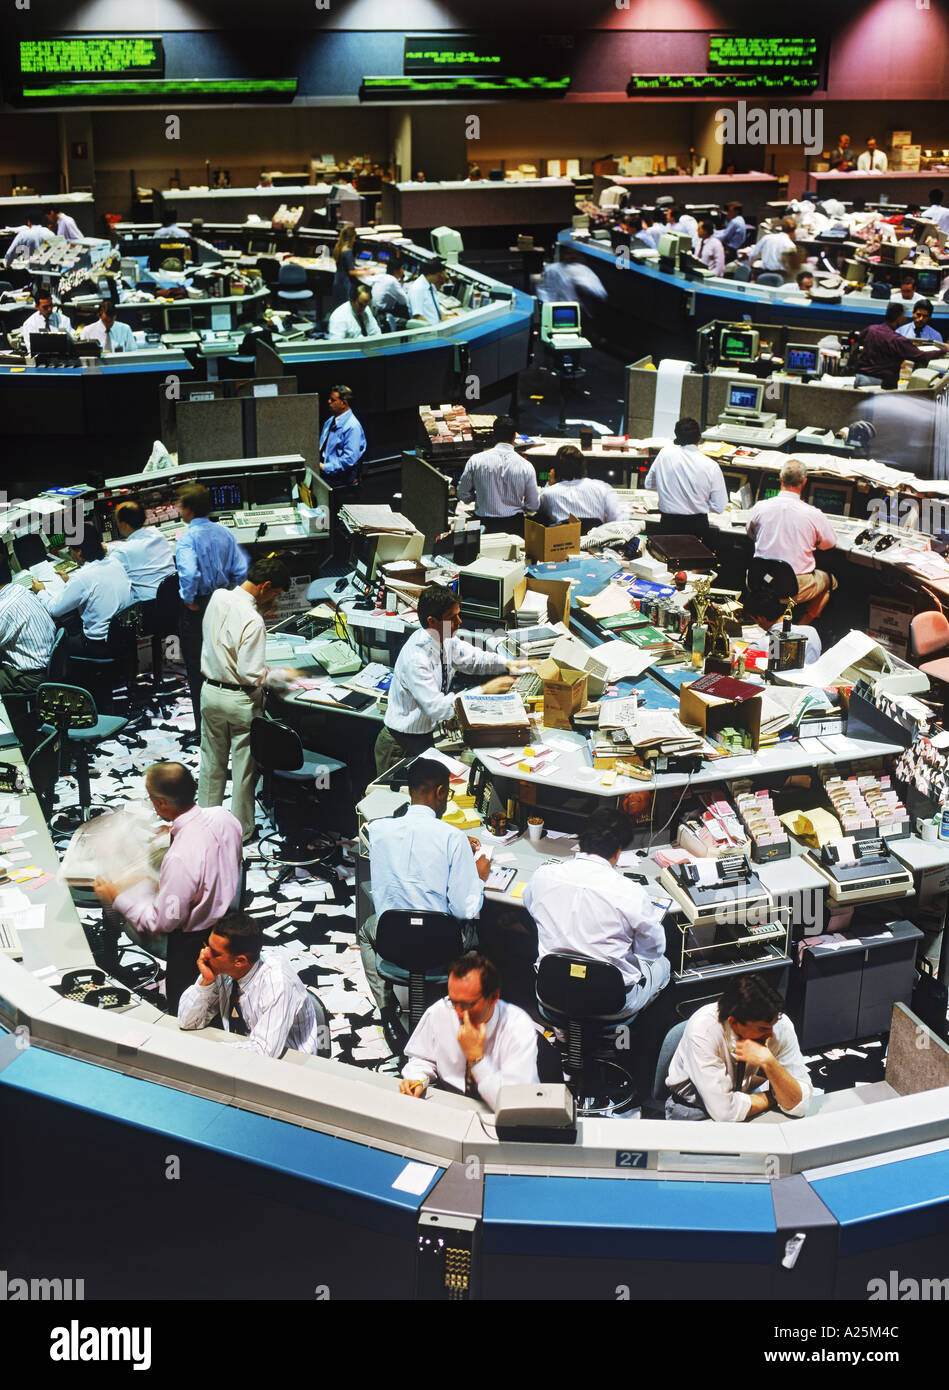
(417, 863)
(777, 250)
(259, 998)
(420, 692)
(689, 483)
(471, 1042)
(936, 212)
(61, 224)
(569, 492)
(28, 238)
(112, 333)
(354, 319)
(786, 528)
(389, 302)
(232, 692)
(583, 904)
(422, 294)
(737, 1057)
(872, 159)
(96, 591)
(145, 554)
(27, 635)
(46, 319)
(503, 485)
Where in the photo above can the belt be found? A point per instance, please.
(229, 685)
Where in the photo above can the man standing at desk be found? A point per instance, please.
(27, 635)
(777, 249)
(735, 232)
(872, 159)
(689, 483)
(422, 294)
(112, 333)
(919, 327)
(420, 693)
(46, 319)
(207, 558)
(503, 485)
(28, 238)
(97, 590)
(936, 212)
(583, 904)
(884, 350)
(786, 528)
(342, 440)
(61, 224)
(145, 554)
(841, 156)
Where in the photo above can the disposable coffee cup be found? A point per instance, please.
(535, 827)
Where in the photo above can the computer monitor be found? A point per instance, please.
(738, 344)
(486, 588)
(769, 486)
(734, 481)
(178, 320)
(383, 257)
(168, 250)
(362, 557)
(29, 549)
(834, 498)
(800, 359)
(745, 396)
(104, 286)
(928, 282)
(266, 489)
(226, 496)
(52, 345)
(565, 317)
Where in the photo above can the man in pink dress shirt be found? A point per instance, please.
(197, 882)
(785, 528)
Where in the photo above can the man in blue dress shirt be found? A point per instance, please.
(207, 558)
(342, 441)
(919, 325)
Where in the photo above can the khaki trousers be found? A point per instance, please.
(226, 717)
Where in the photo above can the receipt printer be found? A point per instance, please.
(709, 887)
(856, 870)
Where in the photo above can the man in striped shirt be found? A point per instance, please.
(571, 493)
(503, 484)
(27, 634)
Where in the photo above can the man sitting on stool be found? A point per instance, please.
(145, 555)
(417, 863)
(570, 492)
(785, 528)
(689, 484)
(259, 998)
(503, 484)
(582, 904)
(494, 1046)
(736, 1056)
(27, 635)
(96, 591)
(197, 882)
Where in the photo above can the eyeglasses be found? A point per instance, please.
(462, 1004)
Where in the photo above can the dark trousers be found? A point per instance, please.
(13, 681)
(189, 630)
(683, 524)
(392, 748)
(79, 644)
(181, 969)
(513, 524)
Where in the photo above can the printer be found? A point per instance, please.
(712, 891)
(858, 870)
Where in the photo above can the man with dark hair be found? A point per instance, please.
(146, 555)
(777, 249)
(417, 863)
(389, 303)
(97, 590)
(495, 1046)
(422, 293)
(570, 493)
(736, 1056)
(872, 161)
(805, 280)
(710, 250)
(733, 234)
(112, 333)
(689, 483)
(342, 440)
(503, 484)
(61, 224)
(420, 692)
(28, 238)
(919, 327)
(259, 998)
(46, 319)
(196, 884)
(936, 212)
(235, 673)
(883, 350)
(906, 294)
(583, 904)
(207, 558)
(27, 635)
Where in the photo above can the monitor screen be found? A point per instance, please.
(104, 284)
(744, 397)
(739, 344)
(479, 591)
(928, 281)
(178, 320)
(829, 497)
(160, 512)
(29, 550)
(383, 256)
(226, 497)
(770, 486)
(801, 359)
(565, 316)
(269, 489)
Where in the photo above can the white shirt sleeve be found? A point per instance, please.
(702, 1056)
(420, 1051)
(465, 887)
(719, 497)
(518, 1065)
(276, 1008)
(200, 1004)
(474, 662)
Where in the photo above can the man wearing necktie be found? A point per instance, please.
(45, 320)
(422, 294)
(114, 335)
(342, 441)
(354, 319)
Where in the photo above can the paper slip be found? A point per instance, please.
(340, 938)
(415, 1178)
(336, 911)
(12, 822)
(272, 931)
(336, 999)
(256, 904)
(301, 917)
(315, 892)
(45, 972)
(31, 918)
(813, 747)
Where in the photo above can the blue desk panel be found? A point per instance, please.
(589, 575)
(610, 1218)
(890, 1203)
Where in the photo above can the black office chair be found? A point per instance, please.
(740, 271)
(586, 1000)
(292, 290)
(70, 712)
(770, 277)
(43, 767)
(768, 586)
(290, 778)
(103, 676)
(159, 621)
(657, 1100)
(21, 705)
(413, 952)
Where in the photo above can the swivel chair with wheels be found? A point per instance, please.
(290, 778)
(70, 712)
(770, 277)
(43, 767)
(586, 1000)
(292, 291)
(21, 705)
(104, 675)
(414, 951)
(159, 621)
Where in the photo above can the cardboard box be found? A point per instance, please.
(565, 691)
(710, 714)
(551, 542)
(558, 597)
(899, 137)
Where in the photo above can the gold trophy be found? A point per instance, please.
(701, 597)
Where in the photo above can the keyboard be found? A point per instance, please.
(271, 516)
(528, 685)
(741, 434)
(10, 944)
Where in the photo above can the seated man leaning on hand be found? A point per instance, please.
(471, 1042)
(259, 998)
(737, 1057)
